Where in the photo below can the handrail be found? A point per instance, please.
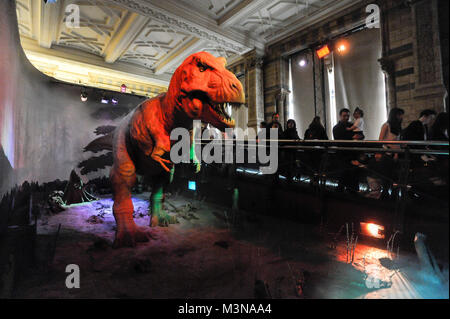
(352, 142)
(335, 145)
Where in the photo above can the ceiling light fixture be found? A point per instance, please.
(323, 51)
(84, 96)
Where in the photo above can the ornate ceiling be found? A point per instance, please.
(141, 42)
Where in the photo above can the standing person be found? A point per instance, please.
(340, 131)
(358, 126)
(418, 130)
(316, 131)
(288, 156)
(390, 130)
(275, 124)
(439, 131)
(384, 164)
(348, 179)
(313, 158)
(291, 131)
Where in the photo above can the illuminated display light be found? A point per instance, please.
(114, 101)
(323, 51)
(105, 100)
(123, 88)
(84, 96)
(192, 185)
(342, 47)
(372, 230)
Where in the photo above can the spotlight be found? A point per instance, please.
(105, 100)
(114, 101)
(323, 51)
(84, 96)
(123, 88)
(303, 63)
(342, 47)
(372, 230)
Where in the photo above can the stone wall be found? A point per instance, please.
(411, 59)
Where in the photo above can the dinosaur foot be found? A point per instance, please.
(129, 238)
(163, 220)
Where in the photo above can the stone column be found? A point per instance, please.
(427, 53)
(281, 105)
(388, 68)
(255, 88)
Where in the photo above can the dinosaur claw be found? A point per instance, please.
(162, 161)
(129, 238)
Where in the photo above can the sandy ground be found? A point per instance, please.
(206, 257)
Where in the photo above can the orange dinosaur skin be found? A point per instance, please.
(141, 142)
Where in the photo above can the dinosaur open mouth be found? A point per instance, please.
(221, 110)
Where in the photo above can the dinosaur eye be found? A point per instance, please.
(202, 67)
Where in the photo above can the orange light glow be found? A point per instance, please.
(372, 230)
(342, 46)
(323, 51)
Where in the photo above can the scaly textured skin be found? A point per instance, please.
(141, 142)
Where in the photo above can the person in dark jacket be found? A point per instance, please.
(291, 131)
(316, 131)
(340, 131)
(439, 131)
(419, 130)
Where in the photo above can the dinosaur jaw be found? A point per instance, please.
(214, 113)
(221, 113)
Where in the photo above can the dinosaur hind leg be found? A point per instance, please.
(127, 233)
(158, 216)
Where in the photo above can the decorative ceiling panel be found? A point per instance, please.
(97, 25)
(156, 41)
(153, 37)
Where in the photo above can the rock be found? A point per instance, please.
(222, 244)
(142, 266)
(95, 219)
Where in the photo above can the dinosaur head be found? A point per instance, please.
(202, 88)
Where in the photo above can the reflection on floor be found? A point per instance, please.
(204, 256)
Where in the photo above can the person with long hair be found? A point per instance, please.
(390, 131)
(384, 164)
(316, 131)
(439, 131)
(291, 131)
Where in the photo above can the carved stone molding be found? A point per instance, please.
(150, 11)
(254, 62)
(427, 54)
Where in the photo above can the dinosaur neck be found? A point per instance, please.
(171, 115)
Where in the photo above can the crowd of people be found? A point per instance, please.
(383, 167)
(429, 126)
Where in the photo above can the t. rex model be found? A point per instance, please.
(199, 89)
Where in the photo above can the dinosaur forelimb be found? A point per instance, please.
(157, 154)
